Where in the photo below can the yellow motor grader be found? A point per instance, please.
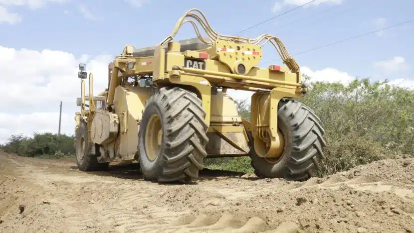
(167, 107)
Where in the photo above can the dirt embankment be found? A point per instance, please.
(53, 196)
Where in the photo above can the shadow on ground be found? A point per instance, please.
(132, 171)
(123, 171)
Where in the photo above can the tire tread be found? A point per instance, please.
(186, 135)
(307, 142)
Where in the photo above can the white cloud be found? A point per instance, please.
(379, 23)
(402, 82)
(87, 13)
(240, 95)
(31, 95)
(8, 17)
(27, 124)
(33, 4)
(136, 3)
(277, 7)
(280, 4)
(397, 64)
(13, 18)
(328, 75)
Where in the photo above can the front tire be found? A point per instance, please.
(303, 139)
(172, 136)
(85, 160)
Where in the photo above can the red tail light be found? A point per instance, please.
(203, 55)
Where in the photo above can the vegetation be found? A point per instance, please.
(44, 145)
(364, 122)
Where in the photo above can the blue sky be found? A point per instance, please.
(117, 23)
(53, 36)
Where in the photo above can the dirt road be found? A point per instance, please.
(53, 196)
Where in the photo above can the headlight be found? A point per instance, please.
(82, 75)
(130, 65)
(82, 67)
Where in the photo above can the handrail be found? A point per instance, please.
(214, 36)
(92, 106)
(83, 97)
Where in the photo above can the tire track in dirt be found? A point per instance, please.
(58, 198)
(382, 203)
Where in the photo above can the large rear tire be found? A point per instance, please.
(303, 142)
(172, 136)
(85, 160)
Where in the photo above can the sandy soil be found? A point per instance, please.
(53, 196)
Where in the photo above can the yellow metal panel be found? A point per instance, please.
(267, 74)
(174, 47)
(77, 119)
(159, 63)
(265, 116)
(123, 116)
(115, 81)
(223, 108)
(247, 125)
(173, 59)
(191, 54)
(219, 76)
(141, 65)
(226, 128)
(233, 54)
(276, 95)
(261, 73)
(129, 105)
(104, 127)
(259, 110)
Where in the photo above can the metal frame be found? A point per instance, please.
(167, 67)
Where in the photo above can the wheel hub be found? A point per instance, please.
(153, 137)
(262, 146)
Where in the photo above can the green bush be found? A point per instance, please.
(364, 122)
(45, 144)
